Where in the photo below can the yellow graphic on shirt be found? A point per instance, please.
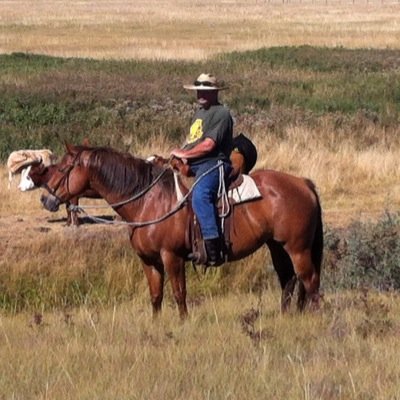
(196, 131)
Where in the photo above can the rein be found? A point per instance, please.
(123, 202)
(138, 224)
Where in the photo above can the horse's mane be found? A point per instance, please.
(125, 174)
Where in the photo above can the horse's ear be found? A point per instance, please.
(85, 142)
(69, 147)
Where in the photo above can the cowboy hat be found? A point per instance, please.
(206, 82)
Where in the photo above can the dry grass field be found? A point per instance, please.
(180, 29)
(233, 346)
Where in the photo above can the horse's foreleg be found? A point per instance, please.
(69, 217)
(155, 279)
(74, 220)
(72, 216)
(175, 268)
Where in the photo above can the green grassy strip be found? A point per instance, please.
(44, 100)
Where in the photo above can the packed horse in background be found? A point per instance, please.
(36, 168)
(19, 160)
(287, 218)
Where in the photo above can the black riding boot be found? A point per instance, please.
(214, 251)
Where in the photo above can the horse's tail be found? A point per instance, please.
(318, 243)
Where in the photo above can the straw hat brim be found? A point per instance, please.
(201, 87)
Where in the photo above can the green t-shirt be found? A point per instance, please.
(215, 123)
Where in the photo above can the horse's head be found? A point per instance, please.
(39, 174)
(26, 182)
(34, 176)
(67, 179)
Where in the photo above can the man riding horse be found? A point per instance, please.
(207, 150)
(286, 216)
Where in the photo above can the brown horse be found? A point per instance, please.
(287, 218)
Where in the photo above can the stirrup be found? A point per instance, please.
(194, 257)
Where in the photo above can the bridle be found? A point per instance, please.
(66, 170)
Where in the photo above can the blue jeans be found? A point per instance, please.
(204, 197)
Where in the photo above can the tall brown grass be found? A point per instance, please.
(347, 177)
(233, 347)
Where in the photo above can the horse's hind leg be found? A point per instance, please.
(284, 268)
(309, 277)
(302, 296)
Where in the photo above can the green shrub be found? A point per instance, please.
(366, 255)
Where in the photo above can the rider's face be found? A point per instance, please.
(207, 98)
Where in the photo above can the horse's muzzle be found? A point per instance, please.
(50, 202)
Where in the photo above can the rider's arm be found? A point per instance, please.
(201, 149)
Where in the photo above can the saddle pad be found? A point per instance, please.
(248, 190)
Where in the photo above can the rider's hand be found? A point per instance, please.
(179, 153)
